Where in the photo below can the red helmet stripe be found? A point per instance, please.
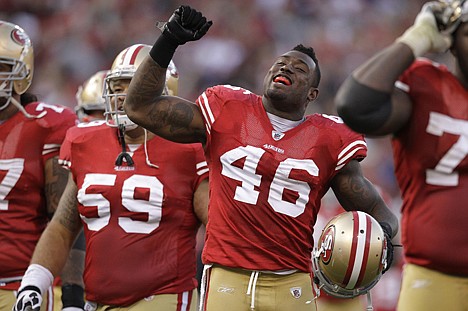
(135, 54)
(352, 255)
(366, 251)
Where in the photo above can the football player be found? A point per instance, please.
(424, 106)
(90, 102)
(140, 200)
(31, 180)
(270, 165)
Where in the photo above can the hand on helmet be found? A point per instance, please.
(389, 250)
(424, 36)
(186, 24)
(28, 299)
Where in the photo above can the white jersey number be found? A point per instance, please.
(152, 206)
(13, 168)
(249, 179)
(444, 173)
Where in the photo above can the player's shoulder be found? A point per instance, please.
(228, 91)
(323, 120)
(332, 125)
(87, 129)
(426, 64)
(52, 115)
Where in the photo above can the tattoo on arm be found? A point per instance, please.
(67, 212)
(354, 191)
(55, 181)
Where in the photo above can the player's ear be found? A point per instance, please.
(313, 94)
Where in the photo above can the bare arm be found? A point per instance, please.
(55, 181)
(355, 192)
(368, 101)
(171, 117)
(54, 245)
(200, 201)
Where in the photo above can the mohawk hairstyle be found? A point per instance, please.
(310, 51)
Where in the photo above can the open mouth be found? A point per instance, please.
(282, 79)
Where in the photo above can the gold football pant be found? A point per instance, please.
(423, 289)
(229, 289)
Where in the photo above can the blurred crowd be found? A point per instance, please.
(74, 39)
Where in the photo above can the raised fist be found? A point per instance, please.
(28, 299)
(424, 36)
(186, 24)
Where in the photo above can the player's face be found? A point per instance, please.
(290, 79)
(461, 48)
(119, 90)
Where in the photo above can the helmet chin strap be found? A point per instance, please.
(20, 107)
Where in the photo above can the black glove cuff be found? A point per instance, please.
(72, 296)
(163, 50)
(30, 287)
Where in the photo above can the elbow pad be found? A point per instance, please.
(362, 108)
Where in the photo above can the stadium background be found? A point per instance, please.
(74, 39)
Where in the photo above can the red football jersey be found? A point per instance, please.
(267, 186)
(25, 145)
(432, 169)
(139, 222)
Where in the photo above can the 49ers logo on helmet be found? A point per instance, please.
(328, 241)
(18, 36)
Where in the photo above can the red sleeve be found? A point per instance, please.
(58, 119)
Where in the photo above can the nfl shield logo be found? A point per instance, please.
(296, 292)
(277, 135)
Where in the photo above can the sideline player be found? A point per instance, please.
(140, 200)
(425, 107)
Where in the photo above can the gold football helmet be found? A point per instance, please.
(124, 67)
(16, 51)
(351, 255)
(89, 95)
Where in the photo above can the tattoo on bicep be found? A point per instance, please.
(55, 182)
(180, 117)
(67, 213)
(359, 193)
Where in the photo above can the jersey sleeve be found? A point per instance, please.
(201, 165)
(65, 149)
(59, 119)
(352, 145)
(211, 104)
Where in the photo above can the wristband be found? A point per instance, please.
(72, 296)
(39, 276)
(163, 50)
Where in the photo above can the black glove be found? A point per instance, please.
(388, 237)
(185, 24)
(28, 299)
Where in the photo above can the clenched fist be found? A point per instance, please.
(186, 24)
